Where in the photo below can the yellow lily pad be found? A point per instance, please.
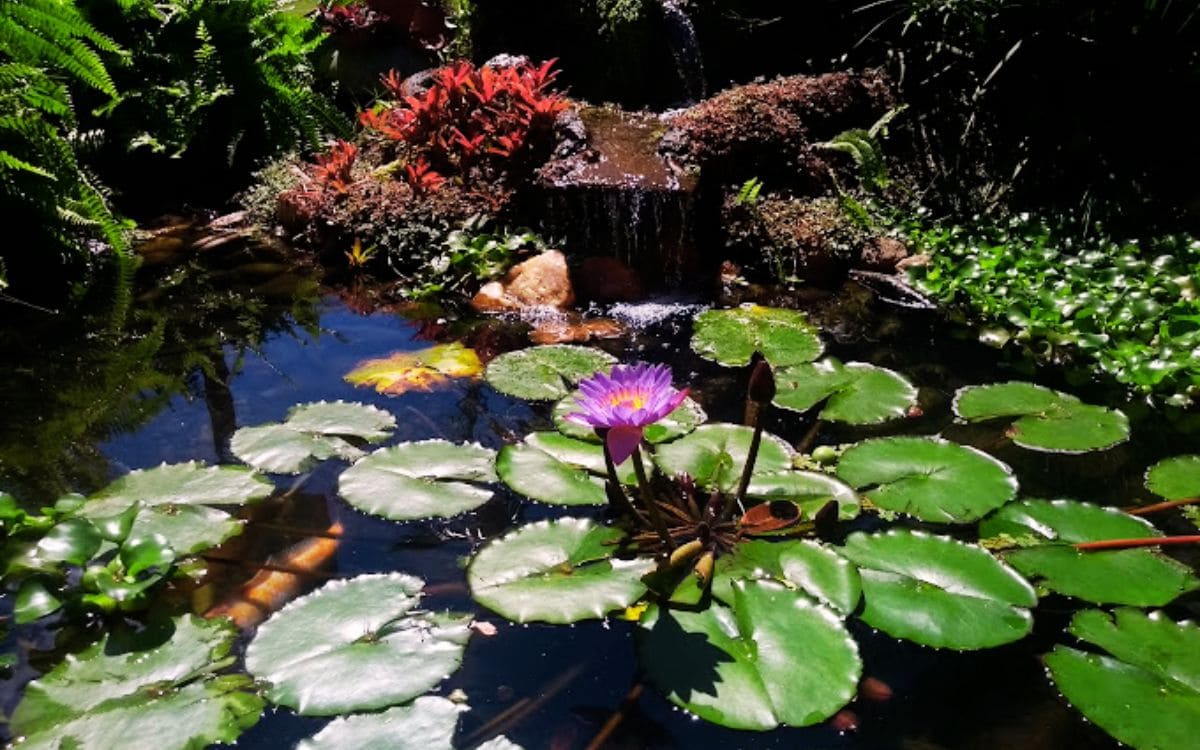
(421, 370)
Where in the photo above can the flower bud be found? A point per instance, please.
(685, 552)
(762, 383)
(704, 568)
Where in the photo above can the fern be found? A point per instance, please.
(53, 35)
(748, 195)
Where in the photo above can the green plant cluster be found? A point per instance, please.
(1126, 309)
(473, 254)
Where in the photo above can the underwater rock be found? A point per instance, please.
(541, 281)
(607, 279)
(573, 329)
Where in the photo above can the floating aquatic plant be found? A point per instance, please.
(620, 405)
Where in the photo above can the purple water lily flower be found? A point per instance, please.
(624, 403)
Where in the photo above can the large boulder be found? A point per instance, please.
(541, 281)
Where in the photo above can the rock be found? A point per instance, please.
(882, 254)
(912, 261)
(541, 281)
(572, 329)
(607, 279)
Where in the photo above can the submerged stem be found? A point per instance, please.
(743, 485)
(1143, 510)
(1153, 541)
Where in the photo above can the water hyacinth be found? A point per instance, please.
(620, 406)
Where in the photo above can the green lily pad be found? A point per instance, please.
(555, 469)
(928, 478)
(545, 373)
(356, 645)
(714, 455)
(190, 483)
(774, 658)
(425, 479)
(428, 723)
(556, 571)
(854, 393)
(810, 490)
(140, 691)
(1138, 577)
(806, 565)
(188, 529)
(312, 432)
(1049, 421)
(1176, 478)
(1147, 693)
(730, 337)
(686, 417)
(939, 592)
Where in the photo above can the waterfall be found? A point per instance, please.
(685, 48)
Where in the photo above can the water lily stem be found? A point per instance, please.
(611, 467)
(809, 437)
(737, 500)
(1143, 510)
(1153, 541)
(656, 518)
(614, 721)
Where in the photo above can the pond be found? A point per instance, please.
(239, 341)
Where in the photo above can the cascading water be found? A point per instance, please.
(621, 198)
(685, 48)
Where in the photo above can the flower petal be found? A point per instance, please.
(622, 442)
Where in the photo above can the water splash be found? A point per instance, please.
(685, 48)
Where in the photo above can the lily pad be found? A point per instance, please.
(419, 480)
(421, 370)
(1049, 421)
(558, 470)
(928, 478)
(1176, 478)
(188, 529)
(312, 432)
(356, 645)
(939, 592)
(810, 490)
(545, 373)
(714, 455)
(730, 337)
(687, 417)
(1147, 693)
(854, 393)
(1138, 577)
(556, 571)
(428, 723)
(190, 483)
(774, 658)
(141, 691)
(806, 565)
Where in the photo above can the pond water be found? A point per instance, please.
(81, 408)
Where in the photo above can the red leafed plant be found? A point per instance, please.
(345, 17)
(470, 116)
(333, 169)
(421, 177)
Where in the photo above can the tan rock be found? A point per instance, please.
(541, 281)
(882, 254)
(491, 298)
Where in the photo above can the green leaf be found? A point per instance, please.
(928, 478)
(189, 483)
(855, 393)
(687, 417)
(1147, 693)
(426, 479)
(730, 337)
(714, 455)
(73, 541)
(808, 489)
(428, 723)
(806, 565)
(556, 571)
(356, 645)
(34, 601)
(939, 592)
(1050, 421)
(312, 432)
(1139, 577)
(144, 552)
(555, 469)
(116, 529)
(149, 689)
(1176, 478)
(774, 658)
(545, 373)
(188, 529)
